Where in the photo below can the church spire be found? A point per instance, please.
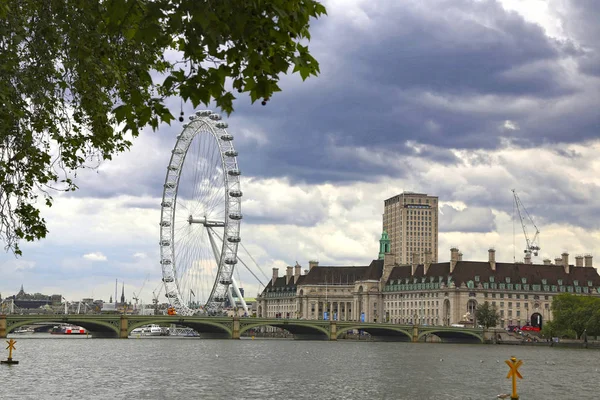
(384, 245)
(123, 294)
(21, 293)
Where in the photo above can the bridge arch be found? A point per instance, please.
(375, 330)
(452, 335)
(98, 328)
(295, 327)
(205, 326)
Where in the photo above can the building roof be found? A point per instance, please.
(533, 273)
(280, 282)
(374, 271)
(332, 275)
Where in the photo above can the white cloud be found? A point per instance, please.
(510, 125)
(96, 256)
(538, 12)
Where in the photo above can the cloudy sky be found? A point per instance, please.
(463, 99)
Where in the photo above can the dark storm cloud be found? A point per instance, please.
(425, 49)
(431, 76)
(379, 85)
(580, 18)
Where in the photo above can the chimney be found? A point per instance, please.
(427, 263)
(275, 276)
(527, 258)
(288, 275)
(297, 272)
(312, 264)
(414, 263)
(565, 261)
(389, 260)
(453, 258)
(305, 271)
(460, 256)
(558, 261)
(492, 258)
(579, 261)
(454, 254)
(547, 261)
(588, 260)
(388, 267)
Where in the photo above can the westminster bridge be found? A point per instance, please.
(120, 326)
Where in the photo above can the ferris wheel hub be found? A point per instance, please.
(206, 222)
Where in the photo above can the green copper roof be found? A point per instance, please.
(384, 245)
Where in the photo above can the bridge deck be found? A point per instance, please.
(120, 326)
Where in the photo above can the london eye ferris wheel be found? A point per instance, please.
(200, 216)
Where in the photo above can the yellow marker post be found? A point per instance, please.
(514, 373)
(10, 348)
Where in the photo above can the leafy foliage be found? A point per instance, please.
(79, 78)
(577, 314)
(487, 315)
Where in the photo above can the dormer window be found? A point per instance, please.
(476, 278)
(589, 283)
(560, 282)
(544, 282)
(492, 279)
(523, 280)
(575, 283)
(507, 279)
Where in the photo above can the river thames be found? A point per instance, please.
(176, 368)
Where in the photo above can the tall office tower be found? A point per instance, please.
(411, 222)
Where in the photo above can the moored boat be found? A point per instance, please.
(21, 331)
(68, 330)
(149, 330)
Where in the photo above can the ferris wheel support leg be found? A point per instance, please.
(215, 250)
(231, 300)
(236, 288)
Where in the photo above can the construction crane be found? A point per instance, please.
(136, 296)
(155, 298)
(532, 244)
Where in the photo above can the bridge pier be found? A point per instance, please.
(415, 334)
(2, 326)
(333, 330)
(124, 325)
(235, 332)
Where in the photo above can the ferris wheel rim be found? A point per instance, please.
(204, 123)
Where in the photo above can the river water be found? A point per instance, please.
(178, 368)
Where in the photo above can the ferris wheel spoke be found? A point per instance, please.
(201, 172)
(189, 276)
